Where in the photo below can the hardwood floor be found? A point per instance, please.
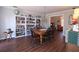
(27, 44)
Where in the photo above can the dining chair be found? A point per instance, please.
(34, 36)
(48, 34)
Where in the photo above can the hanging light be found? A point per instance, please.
(76, 11)
(75, 16)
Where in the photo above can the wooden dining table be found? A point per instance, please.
(40, 32)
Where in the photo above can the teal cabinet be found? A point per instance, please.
(72, 37)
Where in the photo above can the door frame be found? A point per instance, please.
(54, 16)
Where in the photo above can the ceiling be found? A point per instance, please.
(45, 9)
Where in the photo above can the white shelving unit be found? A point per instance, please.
(24, 24)
(20, 26)
(30, 23)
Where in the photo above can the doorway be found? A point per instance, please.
(58, 21)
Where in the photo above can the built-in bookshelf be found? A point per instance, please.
(20, 25)
(30, 23)
(25, 23)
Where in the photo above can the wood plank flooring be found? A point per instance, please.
(27, 44)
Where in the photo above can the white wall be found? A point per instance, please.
(0, 21)
(45, 21)
(65, 14)
(7, 21)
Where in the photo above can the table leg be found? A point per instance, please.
(40, 39)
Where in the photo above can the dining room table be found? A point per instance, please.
(40, 32)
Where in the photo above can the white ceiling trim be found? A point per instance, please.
(44, 9)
